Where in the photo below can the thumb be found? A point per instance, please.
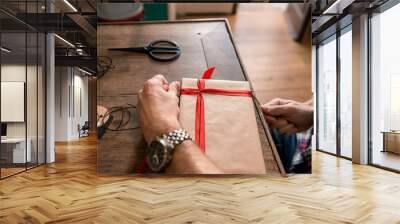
(174, 88)
(276, 110)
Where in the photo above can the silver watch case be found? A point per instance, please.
(159, 154)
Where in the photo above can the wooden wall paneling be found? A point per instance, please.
(92, 107)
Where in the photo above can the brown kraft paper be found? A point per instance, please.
(231, 134)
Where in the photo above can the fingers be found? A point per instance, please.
(275, 107)
(165, 87)
(163, 80)
(283, 126)
(278, 101)
(270, 119)
(275, 110)
(279, 110)
(280, 123)
(160, 78)
(276, 122)
(288, 129)
(174, 88)
(273, 119)
(158, 81)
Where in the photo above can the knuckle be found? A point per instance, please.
(146, 85)
(150, 82)
(159, 76)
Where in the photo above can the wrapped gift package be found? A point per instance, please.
(220, 116)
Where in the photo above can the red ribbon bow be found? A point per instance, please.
(200, 119)
(201, 89)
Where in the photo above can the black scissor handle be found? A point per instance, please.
(130, 49)
(163, 50)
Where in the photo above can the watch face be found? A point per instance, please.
(157, 155)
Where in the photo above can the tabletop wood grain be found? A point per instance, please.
(204, 43)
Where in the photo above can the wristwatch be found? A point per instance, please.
(159, 151)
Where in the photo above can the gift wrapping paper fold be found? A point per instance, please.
(220, 116)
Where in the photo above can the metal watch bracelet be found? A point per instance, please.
(177, 137)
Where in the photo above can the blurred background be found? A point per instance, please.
(274, 40)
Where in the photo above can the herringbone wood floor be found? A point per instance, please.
(70, 191)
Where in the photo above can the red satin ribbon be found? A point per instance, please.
(200, 119)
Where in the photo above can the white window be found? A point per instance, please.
(327, 96)
(385, 84)
(346, 94)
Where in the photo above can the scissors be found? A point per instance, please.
(159, 50)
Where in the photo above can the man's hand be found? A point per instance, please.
(158, 110)
(289, 116)
(158, 107)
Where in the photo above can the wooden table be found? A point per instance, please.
(15, 152)
(391, 141)
(204, 43)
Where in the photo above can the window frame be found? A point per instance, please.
(27, 29)
(378, 10)
(347, 27)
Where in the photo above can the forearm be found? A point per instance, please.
(188, 159)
